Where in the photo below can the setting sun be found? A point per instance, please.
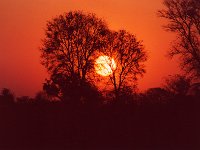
(105, 65)
(100, 74)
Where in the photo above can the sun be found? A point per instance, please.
(105, 65)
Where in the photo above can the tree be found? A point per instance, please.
(67, 52)
(157, 95)
(177, 84)
(184, 19)
(6, 97)
(194, 90)
(129, 56)
(24, 100)
(41, 97)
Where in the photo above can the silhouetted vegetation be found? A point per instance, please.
(129, 56)
(73, 41)
(6, 97)
(155, 119)
(71, 113)
(68, 53)
(178, 84)
(184, 20)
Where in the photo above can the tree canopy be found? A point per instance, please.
(72, 43)
(129, 56)
(67, 52)
(184, 20)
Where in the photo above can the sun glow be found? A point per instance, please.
(105, 65)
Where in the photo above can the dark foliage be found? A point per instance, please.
(143, 122)
(177, 84)
(6, 97)
(72, 43)
(129, 55)
(68, 53)
(184, 19)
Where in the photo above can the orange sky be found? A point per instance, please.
(22, 24)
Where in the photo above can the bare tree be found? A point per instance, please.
(67, 52)
(129, 56)
(184, 19)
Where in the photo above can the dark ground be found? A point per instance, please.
(147, 126)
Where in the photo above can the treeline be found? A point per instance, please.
(155, 119)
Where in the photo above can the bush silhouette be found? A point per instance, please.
(6, 97)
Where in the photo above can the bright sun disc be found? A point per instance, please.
(105, 65)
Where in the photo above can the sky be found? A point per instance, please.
(22, 25)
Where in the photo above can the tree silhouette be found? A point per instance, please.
(129, 56)
(177, 84)
(24, 100)
(67, 52)
(194, 89)
(157, 95)
(184, 19)
(6, 97)
(42, 97)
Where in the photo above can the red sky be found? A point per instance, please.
(22, 24)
